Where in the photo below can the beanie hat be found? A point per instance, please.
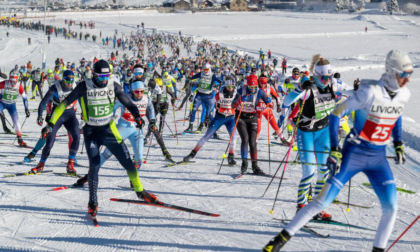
(101, 67)
(137, 85)
(323, 68)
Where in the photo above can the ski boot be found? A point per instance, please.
(244, 166)
(168, 156)
(7, 130)
(299, 206)
(81, 181)
(215, 136)
(277, 242)
(323, 216)
(189, 129)
(200, 127)
(32, 99)
(375, 249)
(70, 167)
(231, 159)
(29, 158)
(256, 169)
(21, 142)
(190, 156)
(38, 168)
(92, 208)
(148, 197)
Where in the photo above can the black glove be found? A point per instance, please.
(48, 118)
(173, 101)
(152, 125)
(306, 85)
(356, 84)
(46, 131)
(278, 108)
(399, 152)
(140, 122)
(40, 120)
(191, 98)
(28, 114)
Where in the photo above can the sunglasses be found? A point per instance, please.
(138, 91)
(138, 73)
(252, 87)
(103, 77)
(68, 81)
(405, 74)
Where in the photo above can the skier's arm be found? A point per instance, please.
(150, 110)
(397, 131)
(47, 97)
(24, 98)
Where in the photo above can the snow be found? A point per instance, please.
(33, 217)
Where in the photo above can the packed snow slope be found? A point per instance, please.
(35, 218)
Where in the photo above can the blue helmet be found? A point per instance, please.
(150, 65)
(137, 85)
(68, 76)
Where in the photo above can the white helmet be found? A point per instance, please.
(207, 69)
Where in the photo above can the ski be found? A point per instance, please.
(228, 165)
(165, 205)
(330, 222)
(189, 133)
(75, 185)
(337, 202)
(77, 164)
(399, 189)
(179, 163)
(13, 134)
(305, 228)
(66, 174)
(238, 176)
(26, 173)
(94, 220)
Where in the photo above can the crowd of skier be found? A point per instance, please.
(309, 110)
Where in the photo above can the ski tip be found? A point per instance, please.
(113, 199)
(215, 215)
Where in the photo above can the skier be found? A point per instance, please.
(224, 116)
(245, 102)
(58, 93)
(263, 110)
(97, 102)
(205, 83)
(312, 129)
(284, 66)
(365, 147)
(162, 105)
(37, 78)
(10, 90)
(127, 126)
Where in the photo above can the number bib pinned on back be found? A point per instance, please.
(381, 118)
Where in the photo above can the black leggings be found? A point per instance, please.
(247, 129)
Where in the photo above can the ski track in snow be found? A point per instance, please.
(35, 218)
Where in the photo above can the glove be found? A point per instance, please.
(27, 113)
(306, 85)
(270, 105)
(334, 161)
(399, 152)
(46, 131)
(48, 118)
(152, 125)
(139, 122)
(40, 120)
(278, 108)
(356, 84)
(173, 101)
(191, 98)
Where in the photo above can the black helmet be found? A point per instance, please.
(101, 67)
(337, 75)
(296, 70)
(287, 81)
(151, 83)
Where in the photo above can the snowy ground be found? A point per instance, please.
(35, 218)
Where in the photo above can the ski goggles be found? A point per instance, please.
(325, 78)
(103, 77)
(405, 74)
(138, 91)
(253, 88)
(68, 80)
(229, 83)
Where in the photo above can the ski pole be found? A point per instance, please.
(287, 162)
(269, 145)
(348, 198)
(150, 144)
(288, 152)
(176, 130)
(20, 129)
(231, 136)
(185, 112)
(6, 119)
(399, 237)
(170, 129)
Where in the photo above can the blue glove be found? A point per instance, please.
(334, 162)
